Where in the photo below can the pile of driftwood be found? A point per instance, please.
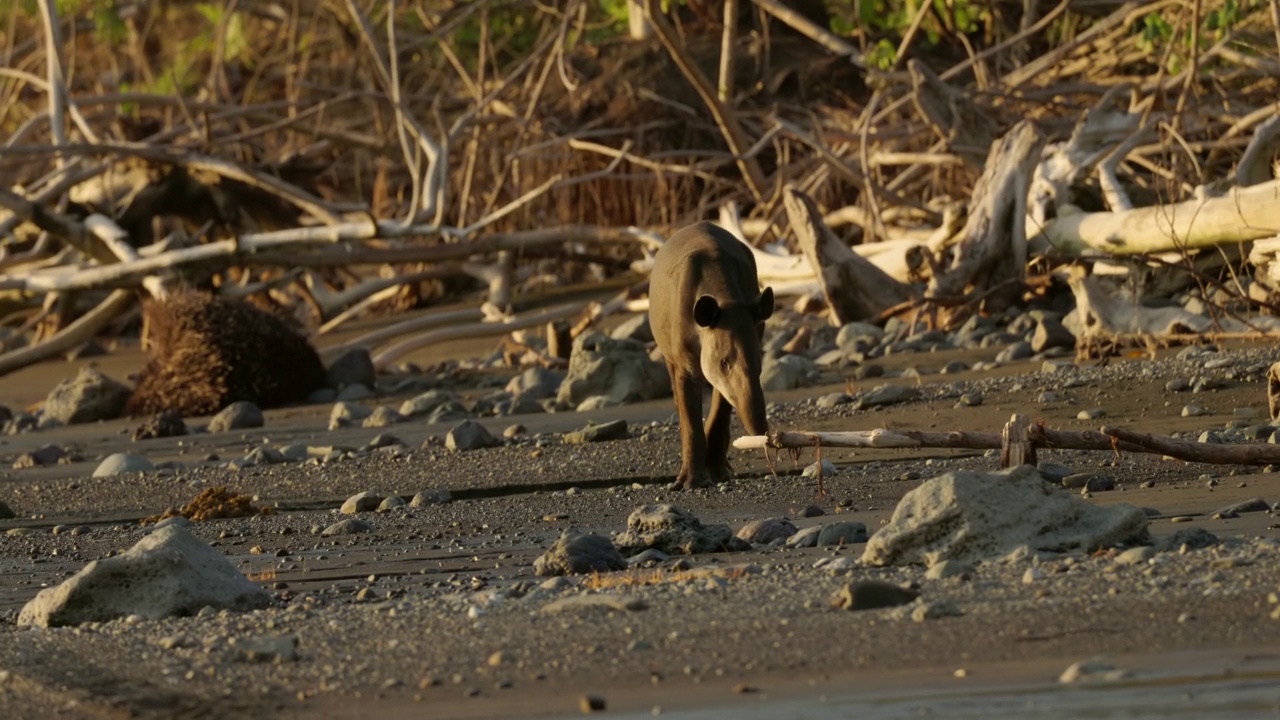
(420, 166)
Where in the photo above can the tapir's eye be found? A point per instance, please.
(724, 365)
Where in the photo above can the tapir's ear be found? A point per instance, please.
(706, 311)
(764, 308)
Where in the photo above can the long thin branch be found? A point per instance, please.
(728, 122)
(80, 331)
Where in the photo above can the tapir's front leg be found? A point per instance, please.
(693, 445)
(718, 438)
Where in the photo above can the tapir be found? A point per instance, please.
(707, 313)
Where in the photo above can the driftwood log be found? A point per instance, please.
(854, 287)
(1110, 439)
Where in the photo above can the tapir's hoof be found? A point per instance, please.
(720, 474)
(689, 482)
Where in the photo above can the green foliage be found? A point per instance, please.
(893, 17)
(1158, 37)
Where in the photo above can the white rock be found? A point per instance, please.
(168, 572)
(123, 463)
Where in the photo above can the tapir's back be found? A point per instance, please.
(702, 259)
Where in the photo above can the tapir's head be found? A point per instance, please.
(731, 356)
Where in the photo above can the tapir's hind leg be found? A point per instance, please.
(693, 445)
(718, 438)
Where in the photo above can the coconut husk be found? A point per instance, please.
(207, 352)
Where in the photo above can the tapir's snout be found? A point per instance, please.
(751, 410)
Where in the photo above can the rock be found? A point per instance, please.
(1089, 482)
(872, 595)
(617, 369)
(588, 704)
(384, 440)
(350, 526)
(381, 417)
(361, 502)
(760, 532)
(672, 530)
(40, 457)
(122, 464)
(805, 538)
(161, 425)
(829, 469)
(597, 402)
(923, 612)
(169, 572)
(948, 569)
(812, 511)
(1248, 506)
(353, 367)
(431, 497)
(850, 332)
(345, 413)
(953, 367)
(648, 557)
(469, 435)
(88, 397)
(842, 533)
(6, 513)
(635, 328)
(321, 396)
(579, 554)
(1020, 350)
(786, 372)
(1091, 670)
(971, 399)
(450, 411)
(970, 517)
(236, 416)
(616, 430)
(887, 395)
(1135, 555)
(1192, 538)
(537, 383)
(1049, 334)
(515, 430)
(391, 502)
(426, 403)
(1091, 414)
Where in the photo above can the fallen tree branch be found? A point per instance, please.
(81, 331)
(1212, 453)
(476, 330)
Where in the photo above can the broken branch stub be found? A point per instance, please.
(1016, 447)
(993, 245)
(855, 288)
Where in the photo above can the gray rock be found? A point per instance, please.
(766, 530)
(41, 457)
(1135, 555)
(88, 397)
(426, 403)
(1089, 482)
(1193, 411)
(353, 367)
(469, 435)
(450, 411)
(971, 516)
(537, 383)
(955, 366)
(805, 538)
(391, 502)
(236, 416)
(635, 328)
(382, 440)
(1049, 334)
(847, 337)
(842, 533)
(648, 557)
(872, 595)
(617, 369)
(786, 372)
(1017, 351)
(831, 400)
(1248, 506)
(346, 413)
(175, 520)
(672, 530)
(1091, 414)
(381, 417)
(970, 399)
(431, 497)
(350, 526)
(361, 502)
(589, 604)
(1194, 538)
(169, 572)
(322, 396)
(887, 395)
(121, 464)
(616, 430)
(578, 554)
(1054, 473)
(6, 513)
(1178, 385)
